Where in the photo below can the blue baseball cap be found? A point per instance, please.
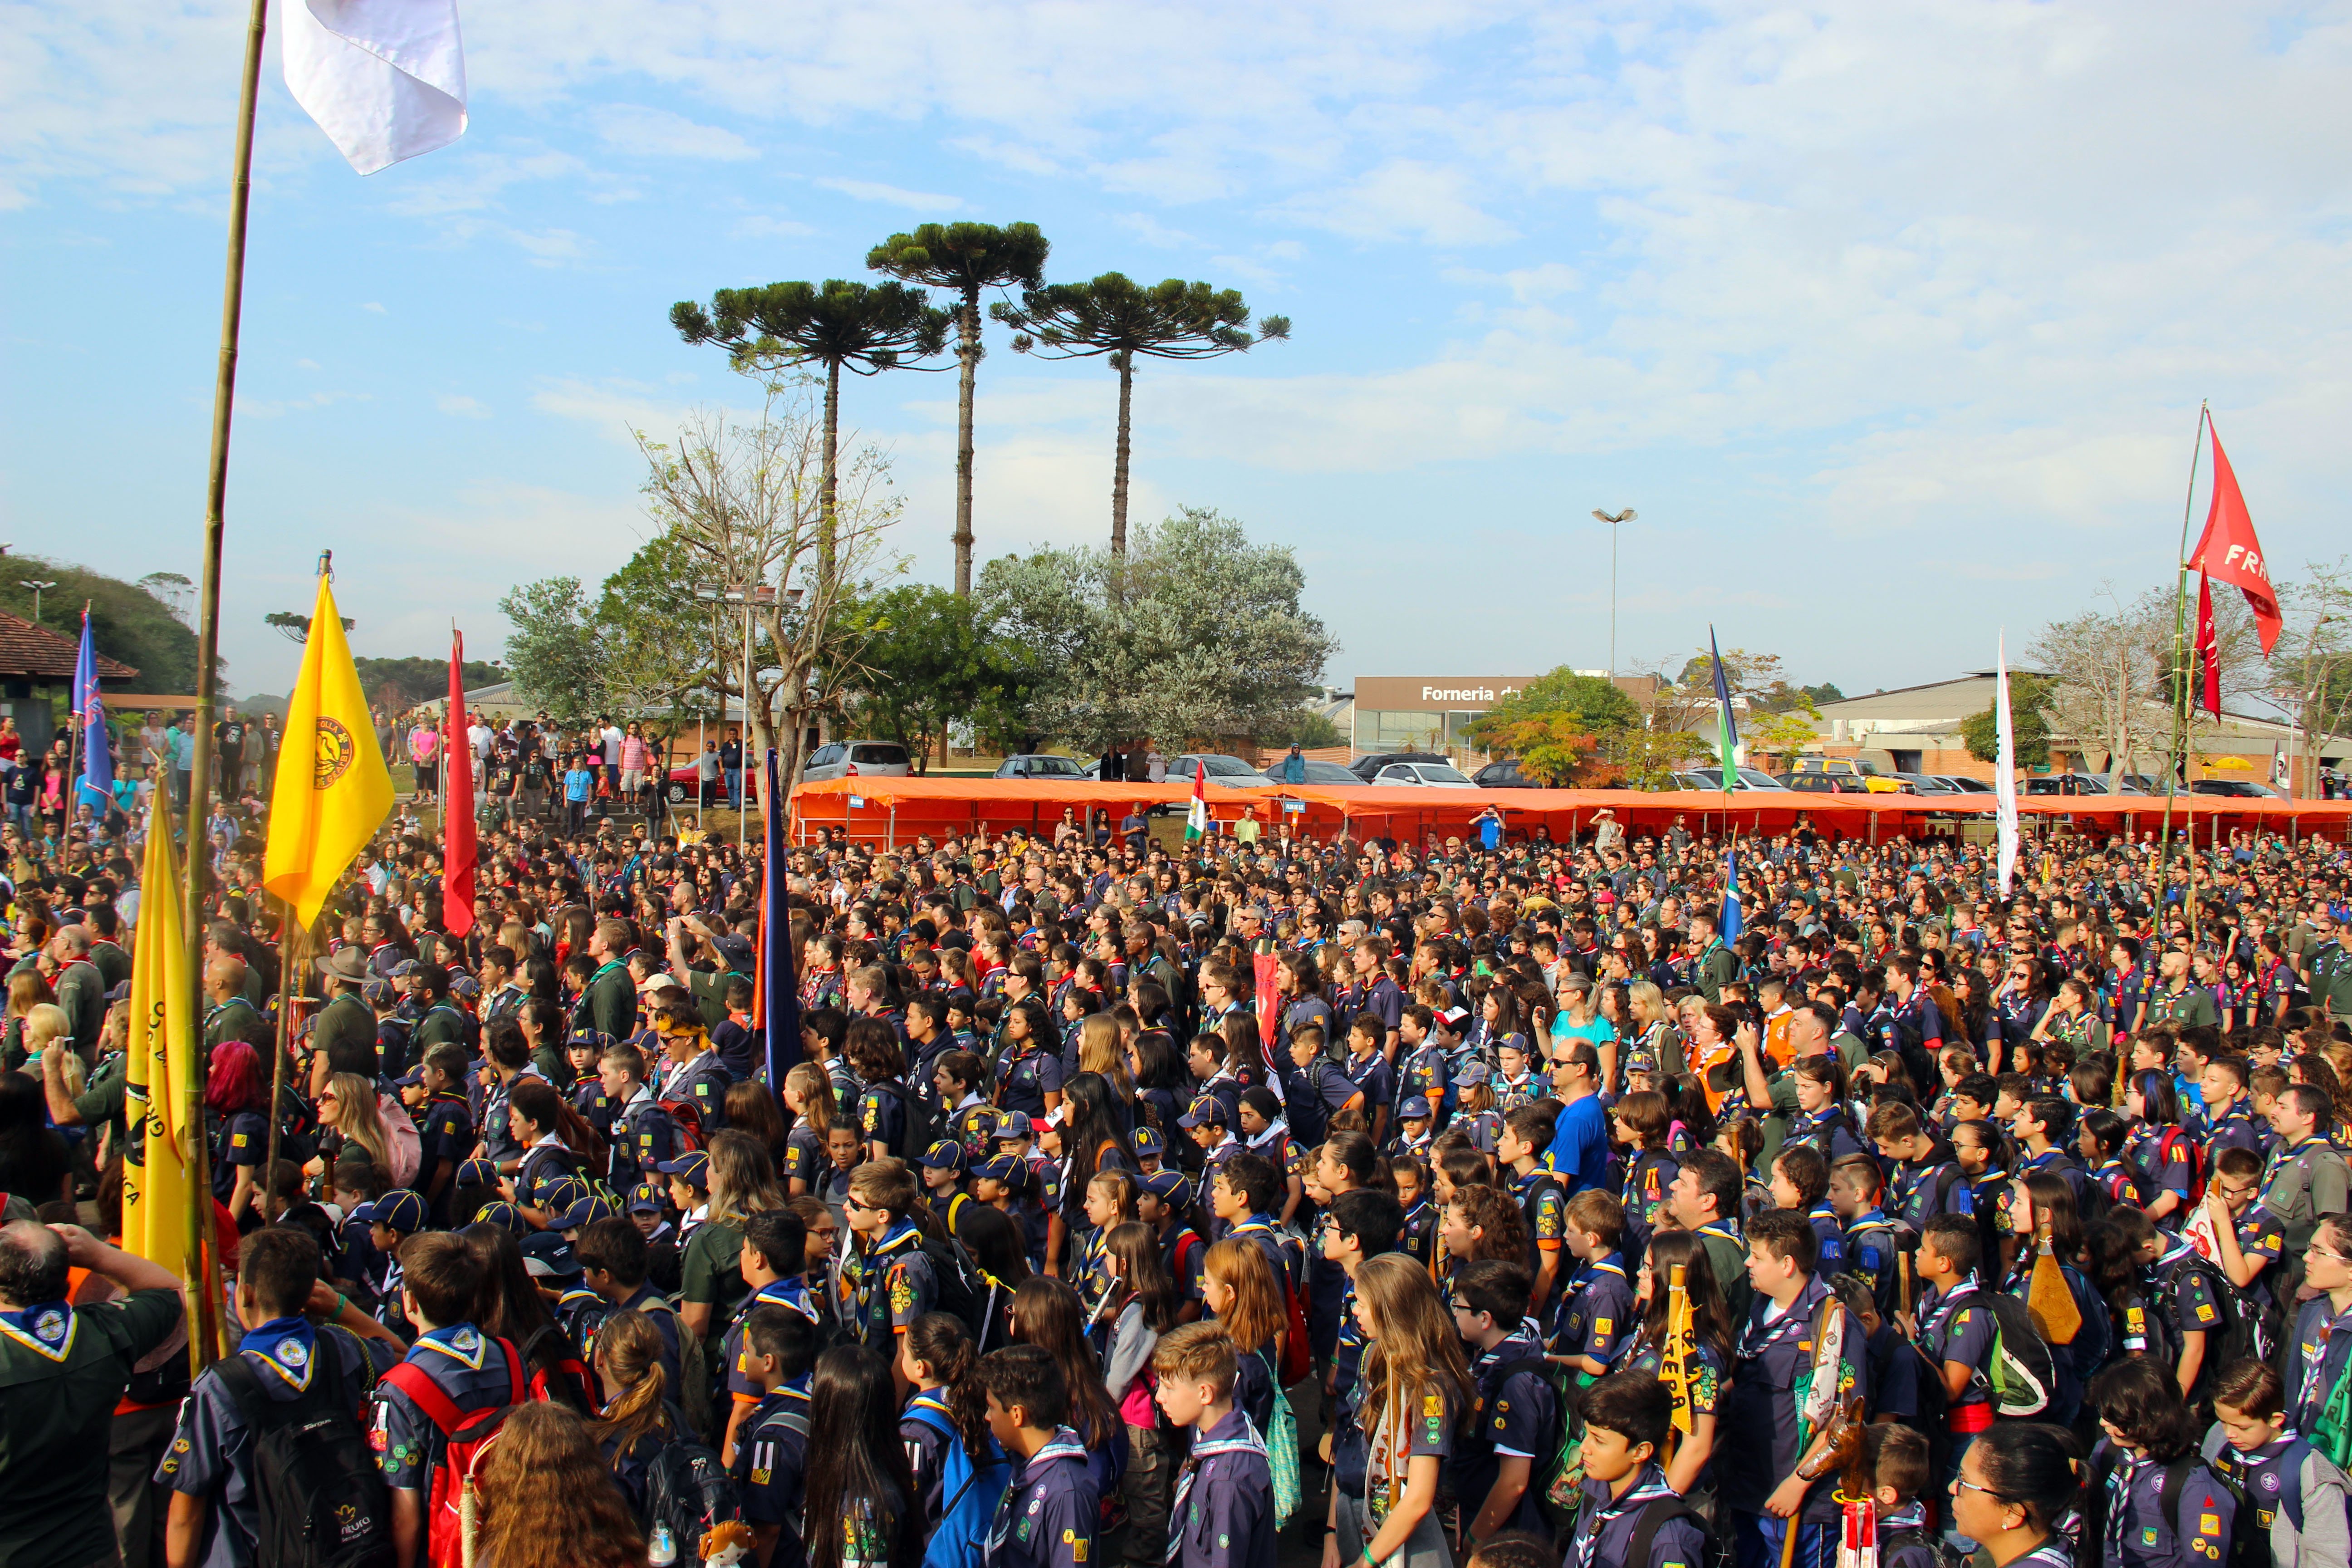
(1167, 1185)
(595, 1039)
(1013, 1124)
(1207, 1110)
(562, 1194)
(465, 986)
(643, 1199)
(399, 1210)
(1005, 1169)
(946, 1155)
(478, 1173)
(585, 1211)
(378, 994)
(693, 1167)
(1469, 1074)
(1414, 1108)
(503, 1214)
(1149, 1141)
(547, 1255)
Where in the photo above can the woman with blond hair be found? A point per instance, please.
(808, 1095)
(348, 1107)
(639, 1418)
(710, 1272)
(1238, 1287)
(1397, 1427)
(547, 1500)
(1101, 1051)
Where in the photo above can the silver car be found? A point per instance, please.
(1439, 775)
(858, 759)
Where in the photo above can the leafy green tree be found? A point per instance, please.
(414, 680)
(1594, 701)
(964, 258)
(1308, 729)
(553, 649)
(128, 621)
(865, 329)
(2029, 723)
(928, 658)
(1195, 635)
(657, 645)
(1118, 318)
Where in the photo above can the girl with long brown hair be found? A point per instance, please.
(548, 1501)
(1238, 1287)
(1398, 1425)
(638, 1419)
(1141, 1307)
(949, 1406)
(808, 1095)
(862, 1509)
(1710, 1351)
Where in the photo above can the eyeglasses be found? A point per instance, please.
(1961, 1483)
(853, 1203)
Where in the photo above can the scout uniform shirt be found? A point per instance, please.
(771, 1464)
(212, 1455)
(1761, 1433)
(890, 1284)
(611, 1001)
(642, 1136)
(1223, 1514)
(469, 1367)
(791, 1292)
(444, 1136)
(1515, 1416)
(1597, 1312)
(2322, 1349)
(62, 1370)
(1961, 1328)
(2139, 1534)
(1046, 1518)
(1605, 1527)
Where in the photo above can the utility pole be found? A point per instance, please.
(1628, 515)
(36, 587)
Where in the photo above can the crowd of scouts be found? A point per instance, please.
(1504, 1204)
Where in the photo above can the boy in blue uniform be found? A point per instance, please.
(2290, 1498)
(889, 1279)
(1801, 1181)
(1048, 1514)
(1630, 1518)
(1795, 1334)
(773, 1263)
(441, 1278)
(2154, 1504)
(1223, 1514)
(445, 1126)
(215, 1502)
(1597, 1309)
(640, 1133)
(770, 1460)
(1953, 1330)
(1515, 1423)
(1370, 1073)
(613, 1258)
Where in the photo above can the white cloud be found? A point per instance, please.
(892, 195)
(642, 133)
(373, 308)
(458, 407)
(1403, 198)
(766, 226)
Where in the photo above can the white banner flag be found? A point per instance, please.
(385, 79)
(2004, 769)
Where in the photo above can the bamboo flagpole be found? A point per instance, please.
(2177, 757)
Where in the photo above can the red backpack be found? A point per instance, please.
(464, 1437)
(2172, 1141)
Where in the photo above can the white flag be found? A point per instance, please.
(2004, 770)
(385, 79)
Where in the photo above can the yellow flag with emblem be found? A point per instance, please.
(162, 1033)
(333, 789)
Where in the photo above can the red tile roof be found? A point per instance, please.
(26, 650)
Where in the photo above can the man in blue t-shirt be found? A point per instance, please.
(1580, 1145)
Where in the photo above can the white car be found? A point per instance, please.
(1439, 775)
(858, 759)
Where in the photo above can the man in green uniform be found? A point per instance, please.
(2176, 999)
(62, 1370)
(347, 1019)
(228, 1014)
(612, 994)
(2328, 969)
(1713, 963)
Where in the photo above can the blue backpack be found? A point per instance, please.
(961, 1537)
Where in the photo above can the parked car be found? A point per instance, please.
(1825, 784)
(1924, 783)
(1852, 773)
(2235, 789)
(1041, 765)
(1712, 778)
(1220, 769)
(679, 790)
(858, 759)
(1964, 785)
(1318, 773)
(1364, 768)
(2066, 784)
(1504, 774)
(1441, 775)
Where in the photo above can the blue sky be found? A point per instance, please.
(1892, 321)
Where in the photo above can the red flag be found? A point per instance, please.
(2229, 550)
(457, 803)
(2209, 646)
(1264, 969)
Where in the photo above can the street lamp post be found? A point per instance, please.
(36, 586)
(737, 594)
(1626, 516)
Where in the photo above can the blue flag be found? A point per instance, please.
(780, 986)
(97, 744)
(1726, 925)
(1727, 739)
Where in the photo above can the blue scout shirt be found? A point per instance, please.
(1373, 1078)
(703, 1083)
(2139, 1535)
(2316, 1360)
(1870, 1252)
(771, 1459)
(1924, 1190)
(1596, 1314)
(1647, 1181)
(792, 1292)
(1826, 1132)
(469, 1367)
(1223, 1514)
(1023, 1081)
(642, 1135)
(1958, 1328)
(1513, 1418)
(1046, 1518)
(1829, 1238)
(212, 1452)
(1761, 1436)
(892, 1284)
(1605, 1526)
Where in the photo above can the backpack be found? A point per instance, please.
(1555, 1473)
(964, 1292)
(1910, 1544)
(918, 1124)
(1656, 1513)
(2235, 1337)
(960, 1537)
(406, 1149)
(565, 1379)
(2250, 1545)
(2022, 1372)
(2167, 1492)
(689, 1491)
(2175, 1141)
(688, 1118)
(462, 1438)
(322, 1494)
